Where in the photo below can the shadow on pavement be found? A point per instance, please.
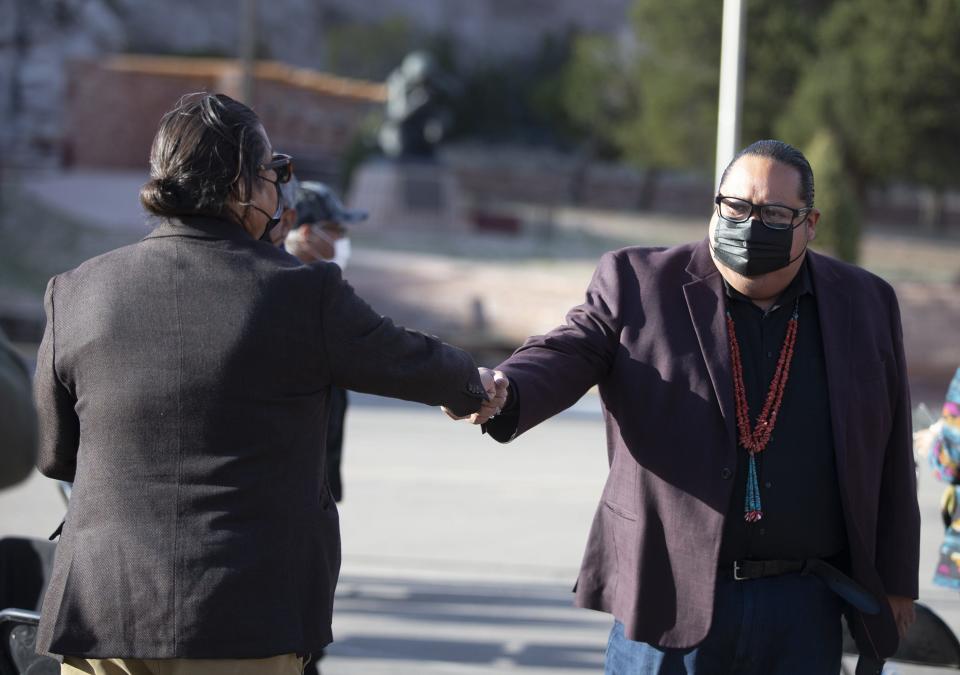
(468, 652)
(407, 621)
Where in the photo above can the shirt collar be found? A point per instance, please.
(200, 227)
(801, 285)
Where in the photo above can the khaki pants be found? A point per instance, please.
(286, 664)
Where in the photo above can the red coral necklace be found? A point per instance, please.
(756, 439)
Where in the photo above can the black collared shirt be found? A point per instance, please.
(799, 492)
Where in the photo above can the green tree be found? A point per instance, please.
(515, 97)
(678, 57)
(655, 103)
(838, 231)
(781, 41)
(591, 96)
(369, 50)
(886, 83)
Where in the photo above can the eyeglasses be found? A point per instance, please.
(282, 165)
(774, 216)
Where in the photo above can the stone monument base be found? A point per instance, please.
(409, 195)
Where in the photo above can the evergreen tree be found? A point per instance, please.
(838, 231)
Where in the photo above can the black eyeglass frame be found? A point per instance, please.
(792, 225)
(283, 166)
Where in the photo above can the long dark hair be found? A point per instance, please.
(207, 152)
(785, 154)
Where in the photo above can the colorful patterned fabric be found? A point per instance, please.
(945, 451)
(945, 460)
(948, 567)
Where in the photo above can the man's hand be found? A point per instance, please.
(903, 612)
(307, 246)
(496, 385)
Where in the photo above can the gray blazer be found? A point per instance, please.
(182, 384)
(18, 422)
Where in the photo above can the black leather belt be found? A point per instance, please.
(745, 570)
(838, 582)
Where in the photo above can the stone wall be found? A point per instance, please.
(492, 175)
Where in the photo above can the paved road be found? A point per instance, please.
(459, 553)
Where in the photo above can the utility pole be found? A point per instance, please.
(248, 48)
(731, 84)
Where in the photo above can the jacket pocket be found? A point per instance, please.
(620, 511)
(622, 526)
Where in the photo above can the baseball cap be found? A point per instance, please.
(316, 202)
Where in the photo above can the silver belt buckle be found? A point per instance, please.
(736, 572)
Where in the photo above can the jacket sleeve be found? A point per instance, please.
(59, 425)
(367, 352)
(549, 373)
(18, 421)
(898, 522)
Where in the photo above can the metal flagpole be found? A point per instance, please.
(731, 83)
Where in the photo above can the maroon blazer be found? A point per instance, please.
(652, 334)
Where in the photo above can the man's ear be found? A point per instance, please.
(812, 219)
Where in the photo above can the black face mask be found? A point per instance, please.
(752, 249)
(275, 218)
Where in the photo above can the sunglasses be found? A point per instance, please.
(282, 165)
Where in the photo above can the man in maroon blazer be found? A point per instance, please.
(758, 431)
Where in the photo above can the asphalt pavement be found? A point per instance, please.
(459, 553)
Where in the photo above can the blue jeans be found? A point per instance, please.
(786, 625)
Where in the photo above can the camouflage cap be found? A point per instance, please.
(317, 203)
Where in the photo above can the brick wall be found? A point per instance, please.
(115, 105)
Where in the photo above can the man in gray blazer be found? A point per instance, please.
(183, 387)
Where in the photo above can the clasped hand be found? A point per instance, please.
(496, 385)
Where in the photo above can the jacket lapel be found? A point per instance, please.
(705, 301)
(836, 327)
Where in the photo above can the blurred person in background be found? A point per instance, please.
(758, 418)
(18, 421)
(322, 235)
(316, 231)
(943, 440)
(24, 562)
(182, 386)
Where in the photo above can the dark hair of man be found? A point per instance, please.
(785, 154)
(207, 150)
